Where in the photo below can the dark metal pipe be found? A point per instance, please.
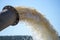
(8, 16)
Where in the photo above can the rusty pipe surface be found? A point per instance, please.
(8, 16)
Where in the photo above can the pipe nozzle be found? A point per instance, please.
(8, 16)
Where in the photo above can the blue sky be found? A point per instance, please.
(49, 8)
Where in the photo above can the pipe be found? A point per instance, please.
(8, 16)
